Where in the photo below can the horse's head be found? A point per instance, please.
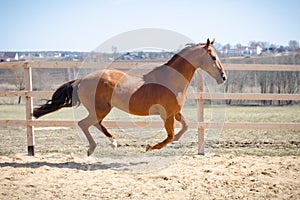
(211, 63)
(204, 56)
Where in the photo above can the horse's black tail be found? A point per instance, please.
(65, 96)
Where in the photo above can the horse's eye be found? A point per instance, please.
(214, 58)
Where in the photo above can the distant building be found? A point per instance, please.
(255, 50)
(9, 56)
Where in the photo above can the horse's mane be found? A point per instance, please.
(172, 60)
(175, 57)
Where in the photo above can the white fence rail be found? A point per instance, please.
(200, 96)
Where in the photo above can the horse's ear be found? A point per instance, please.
(207, 43)
(212, 42)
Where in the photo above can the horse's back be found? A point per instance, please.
(108, 86)
(128, 92)
(98, 86)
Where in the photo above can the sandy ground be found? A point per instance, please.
(225, 176)
(237, 165)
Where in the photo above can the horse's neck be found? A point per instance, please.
(175, 74)
(183, 66)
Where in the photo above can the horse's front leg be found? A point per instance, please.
(179, 117)
(169, 126)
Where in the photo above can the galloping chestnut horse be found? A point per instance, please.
(160, 92)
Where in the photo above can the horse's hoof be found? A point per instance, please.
(175, 142)
(90, 152)
(148, 147)
(114, 143)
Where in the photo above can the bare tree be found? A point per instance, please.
(293, 45)
(18, 81)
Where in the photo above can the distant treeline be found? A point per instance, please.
(264, 82)
(286, 59)
(238, 81)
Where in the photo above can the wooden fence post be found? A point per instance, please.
(29, 105)
(200, 105)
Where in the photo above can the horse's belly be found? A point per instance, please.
(145, 99)
(136, 104)
(126, 103)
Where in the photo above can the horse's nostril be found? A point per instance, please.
(224, 78)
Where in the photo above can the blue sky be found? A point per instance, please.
(83, 25)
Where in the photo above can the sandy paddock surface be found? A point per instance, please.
(61, 176)
(239, 164)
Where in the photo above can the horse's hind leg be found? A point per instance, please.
(179, 117)
(110, 136)
(84, 125)
(169, 126)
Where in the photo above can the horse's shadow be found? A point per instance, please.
(75, 165)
